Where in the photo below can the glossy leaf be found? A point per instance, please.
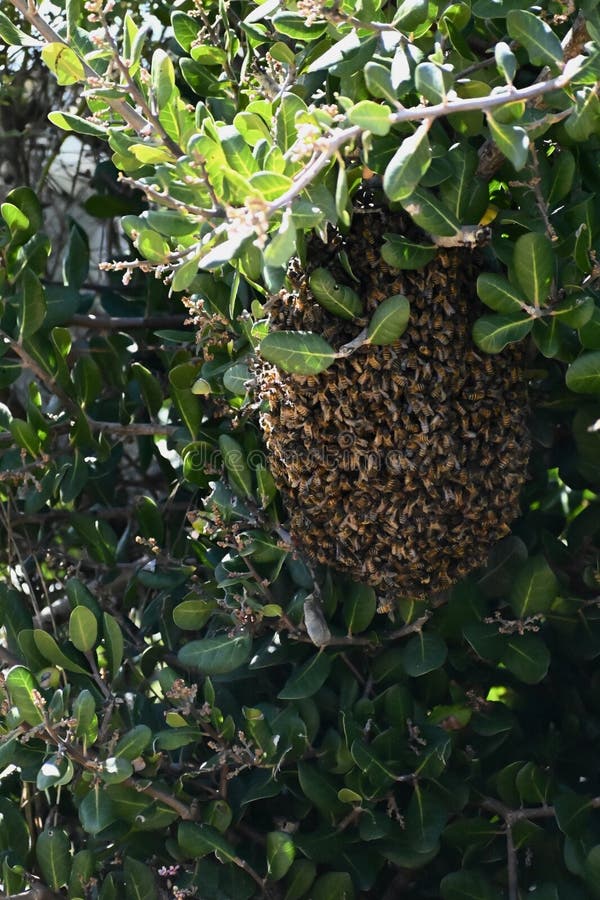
(234, 458)
(430, 213)
(96, 811)
(534, 588)
(527, 657)
(139, 881)
(300, 352)
(542, 44)
(337, 298)
(583, 375)
(408, 165)
(534, 266)
(494, 333)
(133, 743)
(32, 311)
(64, 63)
(423, 653)
(401, 253)
(216, 655)
(83, 629)
(389, 321)
(499, 294)
(359, 608)
(307, 679)
(511, 140)
(280, 854)
(53, 854)
(374, 117)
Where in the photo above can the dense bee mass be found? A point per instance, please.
(400, 465)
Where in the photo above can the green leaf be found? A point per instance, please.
(113, 640)
(542, 44)
(534, 588)
(150, 388)
(572, 813)
(13, 36)
(185, 29)
(534, 266)
(216, 655)
(423, 653)
(499, 294)
(25, 436)
(527, 657)
(333, 884)
(389, 321)
(401, 253)
(193, 614)
(432, 82)
(50, 650)
(21, 684)
(83, 628)
(408, 165)
(237, 152)
(506, 61)
(88, 380)
(410, 14)
(511, 140)
(16, 220)
(234, 458)
(585, 116)
(52, 850)
(64, 63)
(152, 246)
(467, 885)
(371, 116)
(280, 854)
(337, 298)
(70, 122)
(300, 877)
(320, 790)
(133, 743)
(96, 811)
(428, 212)
(162, 77)
(139, 880)
(307, 679)
(55, 771)
(425, 820)
(295, 26)
(77, 258)
(283, 244)
(270, 185)
(359, 608)
(378, 79)
(583, 375)
(300, 352)
(32, 306)
(82, 870)
(493, 333)
(285, 120)
(371, 766)
(196, 841)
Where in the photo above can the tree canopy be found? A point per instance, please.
(190, 705)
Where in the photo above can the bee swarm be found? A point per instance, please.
(399, 465)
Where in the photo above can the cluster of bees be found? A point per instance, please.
(399, 465)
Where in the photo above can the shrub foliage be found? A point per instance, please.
(189, 706)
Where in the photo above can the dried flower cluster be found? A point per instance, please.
(401, 465)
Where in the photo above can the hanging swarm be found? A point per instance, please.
(400, 465)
